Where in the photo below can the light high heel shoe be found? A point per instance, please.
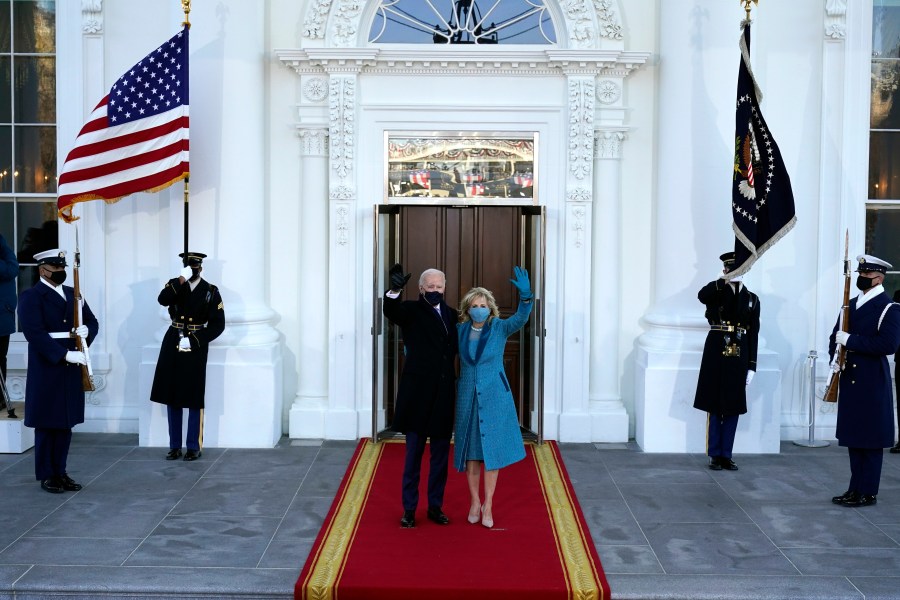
(489, 523)
(473, 519)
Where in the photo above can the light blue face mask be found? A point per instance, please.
(479, 313)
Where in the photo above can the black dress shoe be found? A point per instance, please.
(68, 484)
(174, 454)
(895, 449)
(860, 500)
(408, 520)
(438, 516)
(52, 485)
(845, 496)
(192, 454)
(714, 463)
(727, 463)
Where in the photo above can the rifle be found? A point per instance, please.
(840, 354)
(87, 373)
(5, 402)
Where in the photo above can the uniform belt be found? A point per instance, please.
(60, 334)
(728, 328)
(189, 327)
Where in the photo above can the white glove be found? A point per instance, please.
(835, 367)
(750, 375)
(82, 331)
(841, 338)
(184, 343)
(75, 358)
(186, 273)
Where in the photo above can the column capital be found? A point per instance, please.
(608, 142)
(315, 140)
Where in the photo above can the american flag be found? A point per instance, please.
(471, 177)
(475, 189)
(422, 178)
(524, 179)
(137, 138)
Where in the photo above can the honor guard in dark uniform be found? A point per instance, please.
(54, 394)
(427, 391)
(728, 363)
(896, 448)
(198, 317)
(865, 420)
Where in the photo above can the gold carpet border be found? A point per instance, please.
(581, 574)
(330, 558)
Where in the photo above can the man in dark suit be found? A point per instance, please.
(865, 420)
(198, 317)
(54, 393)
(728, 363)
(427, 391)
(896, 448)
(9, 270)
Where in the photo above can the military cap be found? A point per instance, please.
(727, 260)
(51, 257)
(867, 262)
(194, 259)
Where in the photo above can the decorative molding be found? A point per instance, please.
(608, 20)
(15, 386)
(99, 385)
(92, 16)
(578, 194)
(608, 143)
(315, 141)
(836, 19)
(345, 22)
(342, 224)
(315, 89)
(314, 23)
(587, 22)
(341, 117)
(608, 91)
(578, 225)
(581, 127)
(342, 193)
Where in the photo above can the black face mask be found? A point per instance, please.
(864, 283)
(57, 277)
(433, 298)
(195, 273)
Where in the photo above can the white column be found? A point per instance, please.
(609, 418)
(227, 222)
(307, 414)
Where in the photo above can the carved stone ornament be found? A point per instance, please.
(585, 21)
(578, 194)
(315, 141)
(315, 89)
(608, 143)
(342, 192)
(581, 127)
(578, 225)
(608, 92)
(836, 19)
(99, 384)
(341, 116)
(343, 225)
(92, 16)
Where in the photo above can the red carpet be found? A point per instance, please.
(540, 547)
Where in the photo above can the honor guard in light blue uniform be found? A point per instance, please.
(865, 421)
(54, 394)
(728, 363)
(198, 317)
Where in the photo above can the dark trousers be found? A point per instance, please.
(176, 420)
(897, 385)
(437, 470)
(865, 470)
(51, 451)
(4, 348)
(720, 431)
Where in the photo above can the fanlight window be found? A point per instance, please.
(462, 22)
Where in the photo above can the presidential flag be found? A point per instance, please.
(136, 139)
(761, 198)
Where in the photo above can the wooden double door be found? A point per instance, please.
(473, 246)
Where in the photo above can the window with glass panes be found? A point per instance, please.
(28, 130)
(883, 204)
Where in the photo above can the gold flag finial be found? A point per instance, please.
(186, 7)
(746, 4)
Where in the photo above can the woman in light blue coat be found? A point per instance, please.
(487, 426)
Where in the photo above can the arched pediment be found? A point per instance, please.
(580, 24)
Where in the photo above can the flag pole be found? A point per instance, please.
(746, 4)
(186, 7)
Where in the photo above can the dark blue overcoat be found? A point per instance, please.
(54, 396)
(9, 270)
(865, 398)
(482, 379)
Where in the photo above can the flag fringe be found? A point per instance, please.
(755, 253)
(65, 213)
